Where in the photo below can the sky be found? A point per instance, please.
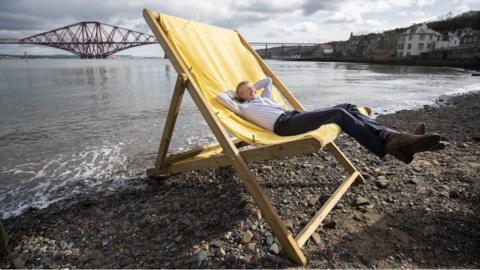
(315, 21)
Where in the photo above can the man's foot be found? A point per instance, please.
(403, 146)
(420, 129)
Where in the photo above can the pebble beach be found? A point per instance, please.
(421, 215)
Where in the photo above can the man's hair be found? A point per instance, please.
(242, 83)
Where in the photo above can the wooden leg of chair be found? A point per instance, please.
(279, 229)
(344, 161)
(170, 122)
(3, 239)
(313, 224)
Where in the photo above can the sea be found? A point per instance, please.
(75, 126)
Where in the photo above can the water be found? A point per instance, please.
(76, 126)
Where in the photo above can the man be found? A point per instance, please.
(268, 114)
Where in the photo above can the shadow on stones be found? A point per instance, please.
(416, 238)
(162, 224)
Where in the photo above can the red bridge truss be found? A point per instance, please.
(88, 39)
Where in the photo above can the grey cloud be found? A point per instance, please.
(312, 6)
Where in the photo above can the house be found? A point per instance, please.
(470, 37)
(417, 39)
(326, 48)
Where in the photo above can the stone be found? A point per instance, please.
(125, 260)
(445, 193)
(227, 235)
(178, 238)
(360, 200)
(247, 237)
(18, 263)
(202, 256)
(289, 224)
(266, 169)
(316, 238)
(382, 183)
(274, 248)
(251, 246)
(418, 180)
(221, 252)
(216, 243)
(330, 224)
(259, 214)
(312, 199)
(269, 239)
(177, 205)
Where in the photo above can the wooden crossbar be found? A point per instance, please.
(275, 151)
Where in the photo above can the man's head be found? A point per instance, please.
(246, 91)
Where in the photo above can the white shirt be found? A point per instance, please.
(263, 111)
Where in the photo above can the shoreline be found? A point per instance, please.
(420, 215)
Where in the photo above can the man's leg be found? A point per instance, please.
(372, 124)
(366, 133)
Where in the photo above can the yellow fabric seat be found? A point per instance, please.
(218, 61)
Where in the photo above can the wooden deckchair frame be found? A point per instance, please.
(239, 158)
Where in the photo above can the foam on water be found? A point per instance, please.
(40, 184)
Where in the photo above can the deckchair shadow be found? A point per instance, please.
(208, 60)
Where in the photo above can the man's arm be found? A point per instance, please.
(226, 99)
(267, 85)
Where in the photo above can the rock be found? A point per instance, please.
(312, 199)
(360, 200)
(177, 205)
(289, 224)
(266, 169)
(18, 263)
(221, 252)
(247, 237)
(251, 246)
(259, 214)
(178, 238)
(216, 243)
(382, 183)
(227, 235)
(316, 238)
(269, 239)
(125, 260)
(274, 248)
(201, 257)
(418, 180)
(330, 224)
(445, 193)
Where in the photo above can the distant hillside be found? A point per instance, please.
(449, 24)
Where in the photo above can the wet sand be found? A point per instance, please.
(422, 215)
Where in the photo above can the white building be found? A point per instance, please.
(417, 39)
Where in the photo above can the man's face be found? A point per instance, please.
(247, 92)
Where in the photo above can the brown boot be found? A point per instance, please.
(403, 146)
(420, 129)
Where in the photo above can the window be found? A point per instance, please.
(409, 46)
(422, 37)
(429, 45)
(420, 46)
(429, 37)
(410, 37)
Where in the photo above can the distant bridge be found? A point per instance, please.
(92, 39)
(88, 39)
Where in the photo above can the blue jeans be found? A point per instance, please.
(368, 132)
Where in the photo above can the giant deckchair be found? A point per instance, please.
(209, 60)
